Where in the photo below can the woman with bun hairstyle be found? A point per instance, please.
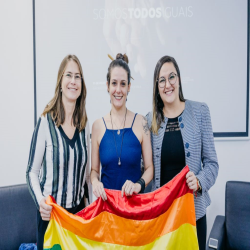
(119, 139)
(59, 154)
(182, 134)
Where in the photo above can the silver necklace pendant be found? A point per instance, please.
(119, 162)
(118, 131)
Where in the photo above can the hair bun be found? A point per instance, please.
(122, 57)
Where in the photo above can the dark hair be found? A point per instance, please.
(120, 61)
(158, 104)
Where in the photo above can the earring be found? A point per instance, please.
(61, 89)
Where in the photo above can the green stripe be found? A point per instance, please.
(55, 247)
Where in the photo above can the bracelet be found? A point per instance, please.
(199, 185)
(142, 183)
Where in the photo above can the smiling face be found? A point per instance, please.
(71, 82)
(170, 92)
(118, 87)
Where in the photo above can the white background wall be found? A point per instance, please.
(17, 109)
(17, 88)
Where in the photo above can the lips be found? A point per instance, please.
(118, 97)
(169, 92)
(72, 89)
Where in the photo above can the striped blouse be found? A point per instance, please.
(58, 166)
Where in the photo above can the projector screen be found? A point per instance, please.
(208, 39)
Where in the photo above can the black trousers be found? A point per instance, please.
(42, 225)
(201, 227)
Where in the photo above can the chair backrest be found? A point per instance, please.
(238, 215)
(17, 217)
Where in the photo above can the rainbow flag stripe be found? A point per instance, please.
(163, 219)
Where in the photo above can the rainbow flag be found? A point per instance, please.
(163, 219)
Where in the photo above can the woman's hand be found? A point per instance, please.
(98, 190)
(192, 181)
(44, 209)
(129, 188)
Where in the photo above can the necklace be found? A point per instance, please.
(119, 157)
(118, 131)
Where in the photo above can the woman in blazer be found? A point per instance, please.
(181, 134)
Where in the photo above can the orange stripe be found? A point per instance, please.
(110, 228)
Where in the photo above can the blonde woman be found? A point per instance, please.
(59, 153)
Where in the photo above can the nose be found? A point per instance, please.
(167, 84)
(118, 88)
(73, 80)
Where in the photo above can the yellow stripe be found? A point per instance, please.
(183, 238)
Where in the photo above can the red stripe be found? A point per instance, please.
(140, 207)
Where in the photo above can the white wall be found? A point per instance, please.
(16, 94)
(17, 108)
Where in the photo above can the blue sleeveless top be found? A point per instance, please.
(113, 176)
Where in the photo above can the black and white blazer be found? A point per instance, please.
(200, 155)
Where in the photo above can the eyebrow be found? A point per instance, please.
(72, 73)
(121, 80)
(168, 75)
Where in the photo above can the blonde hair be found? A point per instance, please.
(55, 106)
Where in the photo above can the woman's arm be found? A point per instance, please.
(37, 149)
(129, 187)
(87, 169)
(98, 188)
(207, 176)
(147, 153)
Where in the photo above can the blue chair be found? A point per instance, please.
(232, 231)
(17, 217)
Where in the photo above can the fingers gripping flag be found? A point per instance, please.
(163, 219)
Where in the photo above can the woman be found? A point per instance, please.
(119, 139)
(182, 135)
(59, 154)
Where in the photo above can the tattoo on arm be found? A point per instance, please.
(145, 125)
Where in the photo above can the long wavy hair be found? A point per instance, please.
(158, 104)
(56, 108)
